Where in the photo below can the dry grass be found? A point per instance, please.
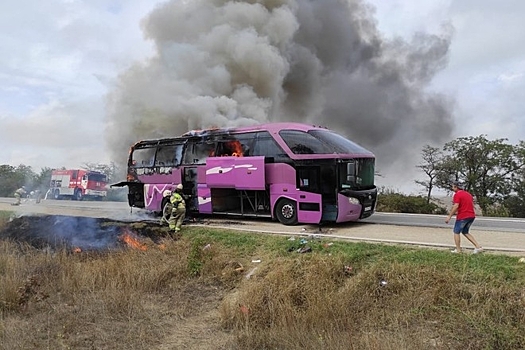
(117, 300)
(312, 304)
(188, 294)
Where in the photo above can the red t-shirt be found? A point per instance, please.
(466, 205)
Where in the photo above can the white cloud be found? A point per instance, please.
(57, 59)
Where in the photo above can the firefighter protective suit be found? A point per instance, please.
(19, 194)
(179, 209)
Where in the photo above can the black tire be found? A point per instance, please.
(78, 194)
(56, 194)
(286, 212)
(167, 207)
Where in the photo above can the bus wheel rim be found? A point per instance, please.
(287, 211)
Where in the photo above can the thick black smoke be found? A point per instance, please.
(324, 62)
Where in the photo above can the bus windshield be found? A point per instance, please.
(320, 142)
(338, 143)
(356, 174)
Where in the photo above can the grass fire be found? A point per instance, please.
(76, 234)
(98, 284)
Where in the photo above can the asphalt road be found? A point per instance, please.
(495, 234)
(424, 220)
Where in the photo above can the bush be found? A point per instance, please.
(515, 206)
(400, 203)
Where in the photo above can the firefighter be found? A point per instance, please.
(18, 195)
(179, 209)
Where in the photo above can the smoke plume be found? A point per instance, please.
(324, 62)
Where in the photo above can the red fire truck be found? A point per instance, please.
(77, 184)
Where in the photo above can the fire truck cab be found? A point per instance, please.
(77, 184)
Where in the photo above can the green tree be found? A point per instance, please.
(515, 203)
(8, 181)
(485, 166)
(12, 178)
(432, 160)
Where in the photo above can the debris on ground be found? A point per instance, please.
(250, 274)
(305, 249)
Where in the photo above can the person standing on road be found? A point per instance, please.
(19, 194)
(179, 209)
(463, 206)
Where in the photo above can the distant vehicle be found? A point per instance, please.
(295, 173)
(77, 184)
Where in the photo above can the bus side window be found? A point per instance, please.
(247, 141)
(178, 154)
(143, 157)
(266, 146)
(188, 153)
(169, 155)
(196, 153)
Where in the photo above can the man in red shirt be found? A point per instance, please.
(464, 207)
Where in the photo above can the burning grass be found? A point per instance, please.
(194, 292)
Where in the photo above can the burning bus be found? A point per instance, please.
(77, 184)
(291, 172)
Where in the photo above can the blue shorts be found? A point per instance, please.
(462, 226)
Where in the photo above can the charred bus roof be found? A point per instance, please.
(326, 141)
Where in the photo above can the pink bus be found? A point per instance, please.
(291, 172)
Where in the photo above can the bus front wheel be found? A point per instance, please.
(286, 212)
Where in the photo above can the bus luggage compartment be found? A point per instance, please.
(241, 173)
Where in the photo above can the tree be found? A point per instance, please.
(12, 178)
(432, 158)
(515, 203)
(485, 167)
(8, 182)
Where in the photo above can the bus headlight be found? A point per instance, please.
(353, 200)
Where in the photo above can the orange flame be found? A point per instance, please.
(132, 240)
(235, 147)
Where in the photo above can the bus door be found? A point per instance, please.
(309, 202)
(189, 184)
(329, 192)
(320, 179)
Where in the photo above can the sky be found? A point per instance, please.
(80, 81)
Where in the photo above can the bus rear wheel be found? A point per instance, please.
(286, 212)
